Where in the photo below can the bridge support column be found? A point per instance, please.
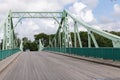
(67, 35)
(75, 39)
(21, 45)
(116, 44)
(40, 45)
(8, 41)
(89, 40)
(59, 38)
(93, 38)
(76, 32)
(55, 43)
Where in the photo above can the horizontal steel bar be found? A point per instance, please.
(36, 17)
(36, 14)
(100, 32)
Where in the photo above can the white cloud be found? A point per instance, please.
(29, 27)
(32, 5)
(110, 26)
(82, 11)
(117, 10)
(90, 3)
(104, 19)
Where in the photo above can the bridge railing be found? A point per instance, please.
(103, 53)
(6, 53)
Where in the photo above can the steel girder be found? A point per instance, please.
(40, 45)
(36, 14)
(115, 39)
(9, 36)
(9, 41)
(62, 37)
(21, 45)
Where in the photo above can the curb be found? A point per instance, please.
(6, 65)
(95, 60)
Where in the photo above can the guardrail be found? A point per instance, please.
(104, 53)
(6, 53)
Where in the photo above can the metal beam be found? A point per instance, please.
(18, 21)
(21, 45)
(75, 38)
(78, 35)
(93, 38)
(89, 40)
(36, 14)
(112, 37)
(40, 45)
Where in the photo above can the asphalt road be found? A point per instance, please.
(50, 66)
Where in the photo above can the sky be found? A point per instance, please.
(100, 14)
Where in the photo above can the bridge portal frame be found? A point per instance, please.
(62, 37)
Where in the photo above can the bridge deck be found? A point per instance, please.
(49, 66)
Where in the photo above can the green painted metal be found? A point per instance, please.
(9, 41)
(93, 38)
(89, 41)
(104, 53)
(62, 38)
(6, 53)
(36, 14)
(115, 39)
(76, 32)
(9, 36)
(21, 45)
(40, 45)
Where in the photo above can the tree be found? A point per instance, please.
(33, 46)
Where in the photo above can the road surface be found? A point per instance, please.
(50, 66)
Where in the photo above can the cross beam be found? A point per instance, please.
(36, 14)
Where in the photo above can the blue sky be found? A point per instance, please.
(105, 8)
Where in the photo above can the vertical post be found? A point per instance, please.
(21, 45)
(63, 38)
(40, 45)
(94, 40)
(68, 41)
(49, 42)
(75, 34)
(78, 35)
(8, 42)
(89, 40)
(60, 37)
(64, 33)
(15, 41)
(8, 33)
(4, 39)
(55, 43)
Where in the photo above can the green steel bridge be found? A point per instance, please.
(60, 44)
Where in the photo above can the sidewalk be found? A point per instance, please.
(91, 59)
(6, 62)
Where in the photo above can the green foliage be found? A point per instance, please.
(33, 46)
(43, 37)
(29, 45)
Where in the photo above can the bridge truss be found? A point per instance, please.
(62, 37)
